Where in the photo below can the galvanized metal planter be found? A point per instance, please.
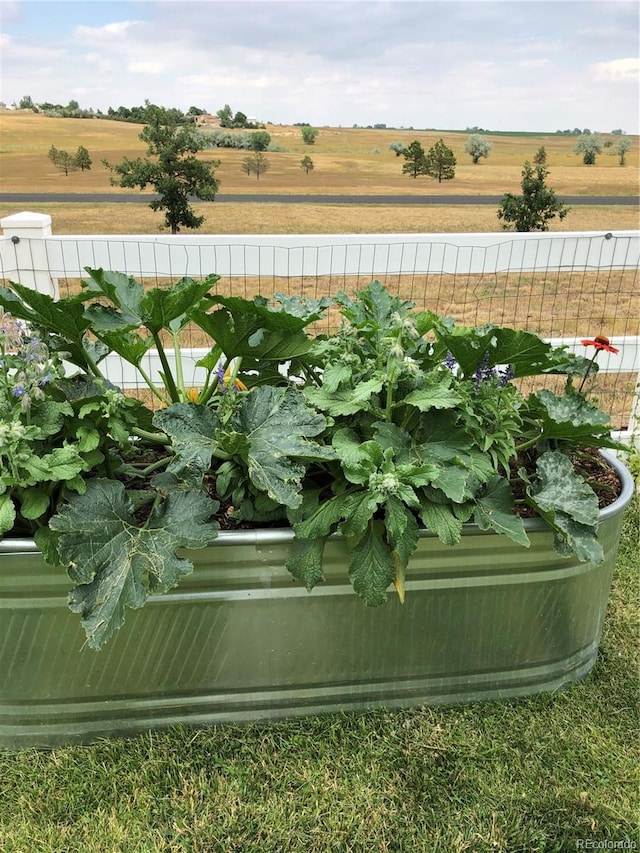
(239, 640)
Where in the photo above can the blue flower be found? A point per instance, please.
(18, 390)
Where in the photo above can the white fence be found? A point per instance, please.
(607, 262)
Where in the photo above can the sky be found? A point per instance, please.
(537, 65)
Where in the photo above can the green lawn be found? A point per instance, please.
(554, 773)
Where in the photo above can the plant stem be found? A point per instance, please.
(151, 385)
(178, 356)
(155, 437)
(588, 370)
(170, 385)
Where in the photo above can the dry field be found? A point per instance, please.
(359, 162)
(347, 161)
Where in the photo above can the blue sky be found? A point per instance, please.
(518, 65)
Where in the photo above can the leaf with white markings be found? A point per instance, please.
(117, 564)
(275, 428)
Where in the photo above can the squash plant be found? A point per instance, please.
(399, 421)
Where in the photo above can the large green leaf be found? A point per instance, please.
(7, 513)
(305, 561)
(275, 427)
(560, 489)
(371, 568)
(344, 401)
(525, 352)
(402, 529)
(440, 519)
(165, 308)
(361, 512)
(132, 306)
(255, 329)
(325, 517)
(62, 463)
(359, 459)
(436, 394)
(570, 416)
(114, 562)
(192, 430)
(494, 511)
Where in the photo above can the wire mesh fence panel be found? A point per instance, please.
(561, 286)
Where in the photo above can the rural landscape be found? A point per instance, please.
(547, 773)
(345, 162)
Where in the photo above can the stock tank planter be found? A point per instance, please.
(239, 640)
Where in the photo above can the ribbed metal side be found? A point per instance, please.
(239, 640)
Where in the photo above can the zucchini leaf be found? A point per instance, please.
(117, 564)
(273, 432)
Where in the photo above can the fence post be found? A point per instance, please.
(27, 231)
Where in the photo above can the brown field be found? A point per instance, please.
(283, 218)
(552, 304)
(344, 158)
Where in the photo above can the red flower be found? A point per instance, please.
(600, 342)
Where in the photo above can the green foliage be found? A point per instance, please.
(256, 164)
(260, 140)
(63, 160)
(82, 159)
(397, 421)
(622, 146)
(114, 562)
(540, 157)
(306, 164)
(398, 148)
(54, 432)
(416, 161)
(477, 146)
(309, 135)
(175, 173)
(589, 145)
(536, 206)
(440, 162)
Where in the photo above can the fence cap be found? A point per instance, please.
(26, 222)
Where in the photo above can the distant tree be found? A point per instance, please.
(477, 146)
(589, 145)
(306, 164)
(256, 164)
(309, 135)
(226, 116)
(397, 147)
(440, 162)
(540, 157)
(537, 205)
(72, 106)
(239, 120)
(26, 103)
(62, 160)
(259, 140)
(416, 160)
(196, 111)
(170, 168)
(82, 159)
(618, 132)
(621, 147)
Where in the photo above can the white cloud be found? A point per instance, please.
(145, 67)
(501, 65)
(108, 31)
(618, 69)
